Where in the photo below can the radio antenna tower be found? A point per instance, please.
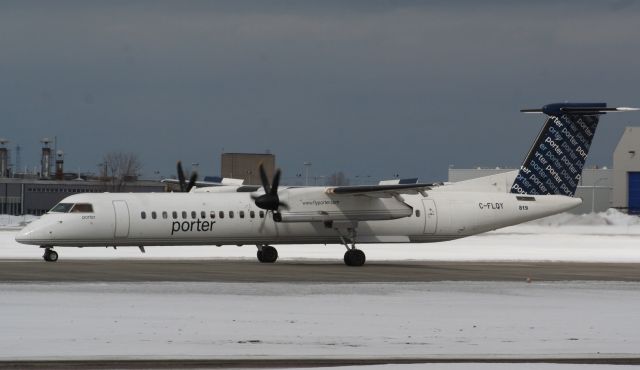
(17, 164)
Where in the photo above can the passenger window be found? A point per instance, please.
(184, 215)
(241, 214)
(174, 214)
(417, 213)
(203, 214)
(164, 214)
(154, 215)
(230, 214)
(221, 214)
(194, 215)
(212, 214)
(143, 214)
(261, 214)
(82, 208)
(252, 214)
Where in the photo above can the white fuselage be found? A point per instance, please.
(313, 216)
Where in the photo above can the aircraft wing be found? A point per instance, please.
(380, 191)
(203, 184)
(198, 184)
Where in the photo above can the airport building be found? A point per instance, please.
(245, 166)
(37, 192)
(626, 177)
(599, 188)
(35, 196)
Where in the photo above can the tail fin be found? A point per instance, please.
(555, 162)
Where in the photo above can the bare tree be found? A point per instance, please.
(338, 179)
(119, 168)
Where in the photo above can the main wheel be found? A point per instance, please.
(267, 254)
(354, 257)
(50, 255)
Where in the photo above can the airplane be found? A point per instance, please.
(268, 215)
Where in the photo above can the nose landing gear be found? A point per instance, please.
(50, 255)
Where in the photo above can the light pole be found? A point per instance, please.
(593, 194)
(307, 165)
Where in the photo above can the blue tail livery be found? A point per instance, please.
(555, 162)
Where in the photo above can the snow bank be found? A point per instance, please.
(611, 217)
(610, 222)
(10, 222)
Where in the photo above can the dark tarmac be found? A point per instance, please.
(283, 363)
(307, 271)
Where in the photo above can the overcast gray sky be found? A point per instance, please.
(367, 87)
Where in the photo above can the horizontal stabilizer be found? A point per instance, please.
(577, 108)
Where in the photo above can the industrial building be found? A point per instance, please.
(35, 193)
(35, 196)
(245, 166)
(626, 177)
(599, 188)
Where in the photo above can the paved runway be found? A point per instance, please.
(268, 363)
(307, 271)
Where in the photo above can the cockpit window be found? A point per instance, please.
(62, 207)
(82, 208)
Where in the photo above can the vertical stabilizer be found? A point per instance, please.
(555, 162)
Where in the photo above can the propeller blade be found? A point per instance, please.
(261, 228)
(276, 183)
(270, 200)
(283, 205)
(181, 177)
(192, 181)
(264, 179)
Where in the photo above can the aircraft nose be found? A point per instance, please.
(29, 233)
(24, 235)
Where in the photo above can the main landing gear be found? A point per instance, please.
(267, 254)
(50, 255)
(353, 256)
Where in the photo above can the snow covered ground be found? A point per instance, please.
(605, 237)
(191, 320)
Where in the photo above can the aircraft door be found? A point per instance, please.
(122, 219)
(430, 216)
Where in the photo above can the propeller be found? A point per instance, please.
(270, 201)
(184, 186)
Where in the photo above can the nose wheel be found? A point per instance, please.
(50, 255)
(267, 254)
